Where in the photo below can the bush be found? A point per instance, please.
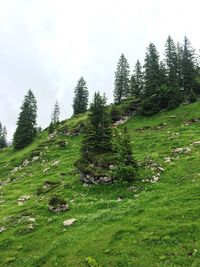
(150, 106)
(114, 113)
(124, 172)
(192, 96)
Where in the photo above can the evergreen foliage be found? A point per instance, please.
(97, 137)
(188, 67)
(26, 130)
(56, 113)
(3, 136)
(80, 101)
(121, 84)
(171, 63)
(136, 81)
(192, 96)
(152, 77)
(126, 169)
(51, 127)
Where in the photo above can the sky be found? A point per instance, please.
(47, 45)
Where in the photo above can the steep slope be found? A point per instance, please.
(155, 221)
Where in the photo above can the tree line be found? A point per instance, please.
(159, 84)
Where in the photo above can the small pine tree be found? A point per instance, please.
(26, 130)
(56, 113)
(3, 136)
(127, 166)
(80, 101)
(121, 89)
(97, 134)
(136, 81)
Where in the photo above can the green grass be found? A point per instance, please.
(154, 225)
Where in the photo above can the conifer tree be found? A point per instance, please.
(179, 50)
(3, 136)
(121, 83)
(152, 79)
(171, 63)
(188, 67)
(97, 137)
(80, 101)
(26, 130)
(56, 113)
(127, 166)
(136, 81)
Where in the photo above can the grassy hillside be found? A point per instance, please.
(155, 221)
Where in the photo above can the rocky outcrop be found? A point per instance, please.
(90, 179)
(57, 204)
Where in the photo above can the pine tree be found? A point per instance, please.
(3, 136)
(80, 101)
(97, 137)
(188, 67)
(56, 113)
(136, 81)
(152, 78)
(121, 84)
(126, 168)
(171, 63)
(179, 50)
(26, 130)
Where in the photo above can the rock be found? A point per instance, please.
(22, 199)
(31, 219)
(132, 188)
(161, 169)
(46, 169)
(69, 222)
(57, 204)
(52, 135)
(2, 229)
(25, 163)
(30, 227)
(55, 162)
(35, 158)
(196, 143)
(182, 150)
(85, 185)
(120, 198)
(168, 160)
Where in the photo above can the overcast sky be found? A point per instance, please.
(46, 45)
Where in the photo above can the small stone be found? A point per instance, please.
(69, 222)
(30, 227)
(196, 143)
(2, 229)
(31, 219)
(161, 169)
(35, 158)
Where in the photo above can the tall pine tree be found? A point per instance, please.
(188, 67)
(171, 63)
(80, 101)
(26, 130)
(136, 81)
(152, 77)
(121, 83)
